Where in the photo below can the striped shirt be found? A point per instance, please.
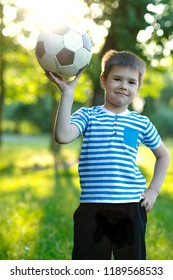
(107, 166)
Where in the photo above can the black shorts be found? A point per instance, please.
(101, 230)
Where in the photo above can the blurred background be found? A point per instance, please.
(39, 187)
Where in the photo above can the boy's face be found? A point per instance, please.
(121, 87)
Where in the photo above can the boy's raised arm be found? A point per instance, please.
(64, 131)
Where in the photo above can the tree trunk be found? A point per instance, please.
(55, 147)
(2, 94)
(2, 69)
(98, 96)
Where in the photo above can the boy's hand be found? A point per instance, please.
(63, 85)
(149, 196)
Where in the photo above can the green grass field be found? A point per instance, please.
(37, 203)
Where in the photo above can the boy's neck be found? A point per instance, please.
(116, 110)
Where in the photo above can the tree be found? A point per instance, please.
(129, 19)
(2, 70)
(126, 20)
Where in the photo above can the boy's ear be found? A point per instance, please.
(102, 81)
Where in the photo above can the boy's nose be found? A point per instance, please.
(123, 85)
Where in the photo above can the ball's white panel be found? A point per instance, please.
(48, 62)
(67, 71)
(82, 57)
(87, 42)
(61, 29)
(53, 43)
(73, 41)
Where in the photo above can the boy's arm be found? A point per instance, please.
(160, 169)
(64, 131)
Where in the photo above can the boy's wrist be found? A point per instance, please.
(155, 190)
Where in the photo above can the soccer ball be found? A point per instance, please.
(65, 51)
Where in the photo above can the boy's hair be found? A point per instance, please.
(122, 58)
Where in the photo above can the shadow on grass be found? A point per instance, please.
(56, 228)
(34, 226)
(18, 225)
(159, 237)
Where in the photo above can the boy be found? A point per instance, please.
(111, 217)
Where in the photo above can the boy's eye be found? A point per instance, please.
(132, 82)
(117, 79)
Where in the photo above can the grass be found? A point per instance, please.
(37, 203)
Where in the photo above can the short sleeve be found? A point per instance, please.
(80, 118)
(151, 137)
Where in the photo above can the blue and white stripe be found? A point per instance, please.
(107, 167)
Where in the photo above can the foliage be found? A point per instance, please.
(162, 114)
(25, 82)
(32, 114)
(37, 114)
(158, 43)
(154, 82)
(37, 204)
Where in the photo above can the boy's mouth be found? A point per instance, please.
(121, 93)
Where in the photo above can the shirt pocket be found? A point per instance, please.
(130, 137)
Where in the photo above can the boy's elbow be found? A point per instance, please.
(167, 154)
(66, 136)
(61, 140)
(168, 157)
(58, 140)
